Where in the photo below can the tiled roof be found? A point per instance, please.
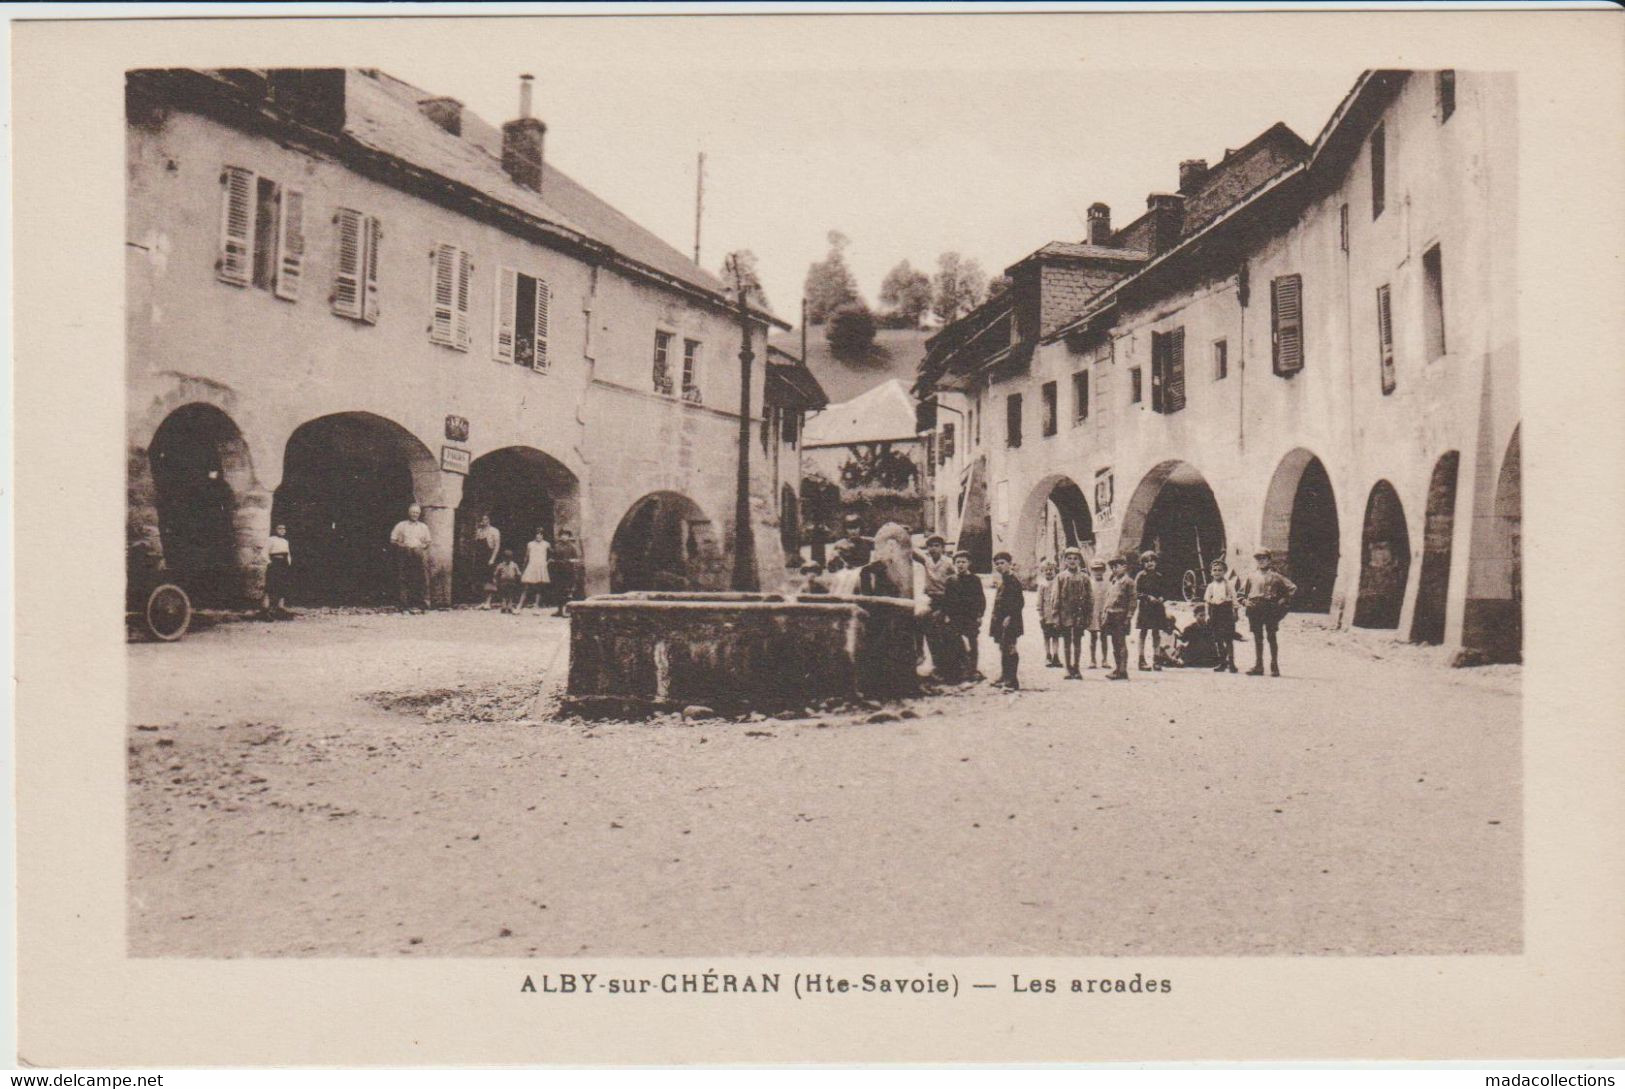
(1083, 249)
(884, 413)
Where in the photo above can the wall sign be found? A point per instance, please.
(454, 460)
(456, 429)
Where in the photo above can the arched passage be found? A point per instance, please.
(1300, 527)
(1054, 517)
(522, 490)
(346, 480)
(666, 542)
(1174, 513)
(1438, 529)
(200, 466)
(1385, 559)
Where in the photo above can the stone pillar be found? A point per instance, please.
(440, 514)
(251, 523)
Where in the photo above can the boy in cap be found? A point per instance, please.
(1006, 626)
(1120, 601)
(1267, 593)
(1097, 613)
(964, 600)
(1074, 606)
(1153, 618)
(1049, 621)
(1220, 599)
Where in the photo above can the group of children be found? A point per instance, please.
(551, 572)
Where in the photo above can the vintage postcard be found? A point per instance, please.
(938, 536)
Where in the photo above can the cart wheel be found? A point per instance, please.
(169, 612)
(1191, 584)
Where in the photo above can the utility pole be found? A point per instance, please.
(699, 204)
(744, 573)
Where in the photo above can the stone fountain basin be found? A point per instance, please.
(740, 651)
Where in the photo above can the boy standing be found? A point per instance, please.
(1075, 598)
(1153, 616)
(507, 581)
(1220, 598)
(1120, 601)
(1268, 593)
(1006, 625)
(1049, 620)
(1097, 612)
(964, 600)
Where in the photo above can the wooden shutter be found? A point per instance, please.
(349, 270)
(544, 296)
(1173, 394)
(506, 305)
(443, 292)
(290, 242)
(1385, 338)
(372, 234)
(1286, 323)
(1159, 370)
(236, 263)
(465, 269)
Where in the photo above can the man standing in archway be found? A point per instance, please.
(488, 548)
(410, 540)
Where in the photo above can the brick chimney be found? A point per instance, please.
(1100, 224)
(1192, 173)
(1167, 212)
(445, 112)
(522, 142)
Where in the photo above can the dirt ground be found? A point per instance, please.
(352, 783)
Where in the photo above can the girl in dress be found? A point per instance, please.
(535, 578)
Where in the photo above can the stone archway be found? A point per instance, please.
(1438, 531)
(1174, 513)
(522, 490)
(1301, 528)
(198, 469)
(666, 542)
(1385, 559)
(347, 479)
(1054, 517)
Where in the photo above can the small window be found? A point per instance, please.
(1379, 171)
(1080, 397)
(523, 303)
(945, 448)
(1168, 371)
(1343, 227)
(1012, 420)
(691, 371)
(1385, 338)
(1433, 302)
(1051, 424)
(1221, 360)
(1134, 385)
(449, 286)
(1444, 85)
(1286, 324)
(662, 364)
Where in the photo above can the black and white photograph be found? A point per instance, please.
(582, 501)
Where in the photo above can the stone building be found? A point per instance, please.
(346, 294)
(871, 450)
(1309, 348)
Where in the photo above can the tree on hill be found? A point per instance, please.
(745, 261)
(959, 286)
(906, 296)
(851, 331)
(829, 283)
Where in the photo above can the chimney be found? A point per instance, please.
(1167, 211)
(1192, 173)
(1100, 224)
(445, 112)
(522, 142)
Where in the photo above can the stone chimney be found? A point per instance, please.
(1167, 212)
(445, 112)
(1100, 224)
(522, 142)
(1192, 173)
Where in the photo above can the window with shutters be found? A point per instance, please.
(522, 306)
(691, 371)
(1080, 397)
(662, 363)
(1221, 360)
(1049, 398)
(1444, 86)
(451, 269)
(1012, 420)
(1385, 338)
(1168, 371)
(1433, 302)
(1286, 324)
(945, 447)
(355, 275)
(1379, 171)
(262, 233)
(1134, 383)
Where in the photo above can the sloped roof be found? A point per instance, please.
(790, 383)
(896, 354)
(884, 413)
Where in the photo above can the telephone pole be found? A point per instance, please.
(744, 573)
(699, 204)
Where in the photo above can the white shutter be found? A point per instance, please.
(507, 296)
(371, 234)
(443, 291)
(290, 242)
(544, 296)
(465, 269)
(237, 225)
(351, 258)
